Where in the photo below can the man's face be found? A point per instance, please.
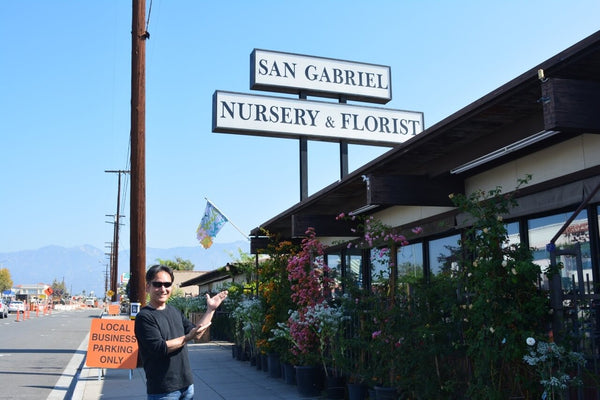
(157, 289)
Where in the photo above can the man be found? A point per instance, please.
(162, 332)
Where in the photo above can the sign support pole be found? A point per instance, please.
(303, 161)
(343, 149)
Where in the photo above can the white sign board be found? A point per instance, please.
(326, 121)
(317, 76)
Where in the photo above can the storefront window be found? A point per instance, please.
(410, 262)
(380, 265)
(354, 266)
(443, 254)
(572, 244)
(512, 229)
(334, 262)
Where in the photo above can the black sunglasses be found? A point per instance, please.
(160, 284)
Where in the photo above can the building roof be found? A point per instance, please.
(219, 274)
(511, 113)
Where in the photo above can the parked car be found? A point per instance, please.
(15, 306)
(3, 309)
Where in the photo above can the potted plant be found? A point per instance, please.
(249, 316)
(282, 340)
(310, 281)
(275, 291)
(354, 341)
(326, 319)
(499, 303)
(554, 365)
(384, 348)
(234, 298)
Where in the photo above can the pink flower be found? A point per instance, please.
(417, 230)
(375, 334)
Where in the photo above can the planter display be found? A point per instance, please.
(335, 387)
(386, 393)
(289, 374)
(274, 365)
(308, 380)
(240, 353)
(264, 360)
(357, 391)
(372, 394)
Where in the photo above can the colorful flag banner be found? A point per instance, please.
(211, 224)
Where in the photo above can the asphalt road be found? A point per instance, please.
(40, 356)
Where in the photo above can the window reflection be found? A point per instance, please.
(334, 262)
(354, 266)
(443, 254)
(512, 230)
(410, 262)
(574, 240)
(380, 261)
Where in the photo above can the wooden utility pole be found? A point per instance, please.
(137, 237)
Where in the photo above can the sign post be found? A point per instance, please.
(305, 120)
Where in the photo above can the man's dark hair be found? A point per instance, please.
(155, 269)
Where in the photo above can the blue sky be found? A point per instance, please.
(65, 96)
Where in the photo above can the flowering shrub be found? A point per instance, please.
(459, 333)
(499, 304)
(354, 336)
(378, 342)
(317, 327)
(281, 334)
(234, 298)
(249, 316)
(385, 346)
(375, 234)
(308, 275)
(553, 365)
(327, 321)
(275, 290)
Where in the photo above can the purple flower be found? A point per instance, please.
(417, 230)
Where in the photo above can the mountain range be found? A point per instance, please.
(83, 268)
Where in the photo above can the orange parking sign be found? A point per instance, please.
(112, 344)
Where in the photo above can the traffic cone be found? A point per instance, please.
(17, 316)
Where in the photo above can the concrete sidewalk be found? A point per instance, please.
(217, 376)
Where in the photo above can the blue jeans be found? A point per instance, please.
(183, 394)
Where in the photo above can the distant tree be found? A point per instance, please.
(244, 262)
(6, 282)
(59, 289)
(179, 264)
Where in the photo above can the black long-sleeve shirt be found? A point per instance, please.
(165, 372)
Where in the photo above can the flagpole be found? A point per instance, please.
(234, 225)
